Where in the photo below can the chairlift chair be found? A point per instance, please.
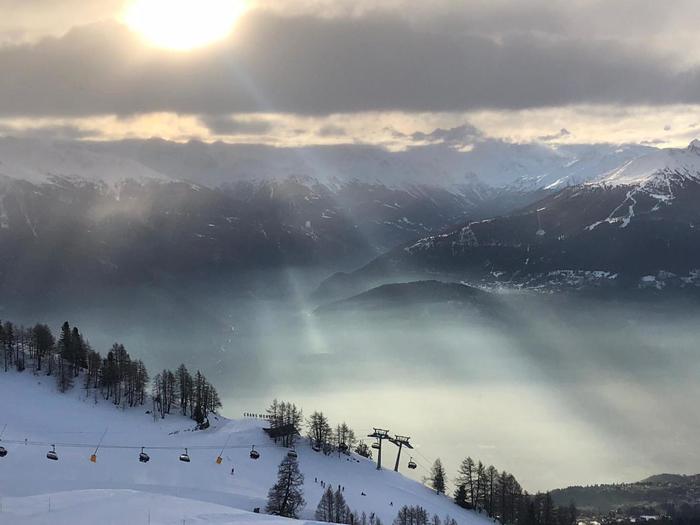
(412, 464)
(292, 453)
(143, 457)
(185, 457)
(93, 458)
(254, 454)
(51, 454)
(343, 447)
(375, 446)
(3, 452)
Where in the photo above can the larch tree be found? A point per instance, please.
(438, 477)
(286, 497)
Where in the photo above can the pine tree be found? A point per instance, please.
(286, 496)
(342, 512)
(466, 477)
(491, 481)
(319, 431)
(325, 508)
(411, 516)
(65, 347)
(363, 450)
(44, 342)
(479, 486)
(460, 496)
(438, 477)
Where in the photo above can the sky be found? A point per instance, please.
(392, 73)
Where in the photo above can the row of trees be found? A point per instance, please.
(500, 495)
(116, 377)
(325, 438)
(192, 395)
(322, 435)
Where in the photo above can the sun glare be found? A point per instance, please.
(183, 24)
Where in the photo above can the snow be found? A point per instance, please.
(88, 507)
(660, 164)
(493, 163)
(38, 160)
(120, 489)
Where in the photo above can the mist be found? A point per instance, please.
(558, 389)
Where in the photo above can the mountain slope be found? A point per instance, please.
(634, 227)
(655, 491)
(39, 413)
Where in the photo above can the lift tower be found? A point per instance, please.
(380, 435)
(400, 441)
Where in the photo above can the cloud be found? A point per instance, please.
(58, 131)
(563, 132)
(317, 66)
(460, 135)
(331, 130)
(227, 125)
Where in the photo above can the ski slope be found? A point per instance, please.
(120, 489)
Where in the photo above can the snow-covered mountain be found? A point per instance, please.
(658, 167)
(117, 488)
(39, 161)
(139, 211)
(634, 227)
(493, 163)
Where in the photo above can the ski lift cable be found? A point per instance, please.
(225, 444)
(100, 441)
(132, 447)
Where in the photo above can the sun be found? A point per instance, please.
(182, 25)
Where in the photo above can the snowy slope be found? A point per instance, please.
(37, 161)
(117, 480)
(681, 164)
(110, 506)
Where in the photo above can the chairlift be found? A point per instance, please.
(3, 452)
(316, 448)
(254, 454)
(292, 453)
(143, 457)
(219, 460)
(375, 446)
(185, 457)
(412, 464)
(93, 458)
(51, 454)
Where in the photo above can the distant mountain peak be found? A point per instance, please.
(670, 163)
(694, 146)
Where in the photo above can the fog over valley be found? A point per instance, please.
(554, 388)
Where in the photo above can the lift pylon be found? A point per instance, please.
(400, 441)
(380, 435)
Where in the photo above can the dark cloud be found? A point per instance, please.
(60, 131)
(225, 125)
(563, 132)
(460, 135)
(331, 130)
(316, 66)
